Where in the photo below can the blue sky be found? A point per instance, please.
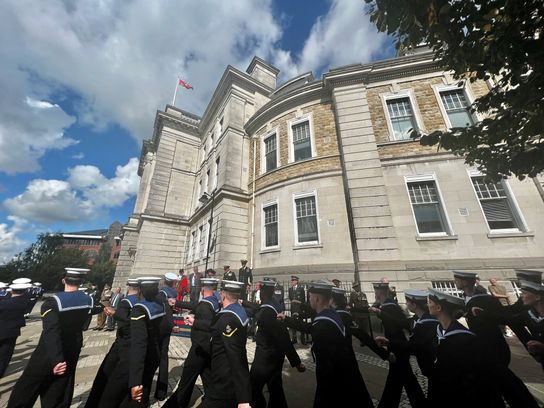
(81, 82)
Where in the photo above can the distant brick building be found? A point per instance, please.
(91, 241)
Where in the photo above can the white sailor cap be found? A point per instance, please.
(133, 282)
(532, 275)
(21, 280)
(465, 275)
(18, 287)
(209, 282)
(416, 295)
(3, 285)
(267, 282)
(531, 286)
(171, 277)
(76, 273)
(338, 291)
(148, 281)
(443, 297)
(82, 288)
(36, 284)
(232, 286)
(320, 286)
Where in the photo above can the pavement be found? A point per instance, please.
(299, 387)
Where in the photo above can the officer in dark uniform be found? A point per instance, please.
(12, 318)
(422, 340)
(532, 294)
(335, 369)
(34, 293)
(51, 369)
(169, 291)
(297, 296)
(145, 325)
(110, 386)
(198, 360)
(229, 384)
(491, 340)
(339, 303)
(228, 274)
(245, 276)
(273, 345)
(400, 371)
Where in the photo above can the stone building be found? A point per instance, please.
(320, 177)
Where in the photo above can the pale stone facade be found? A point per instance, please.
(314, 179)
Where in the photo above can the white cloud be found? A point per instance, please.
(78, 156)
(121, 59)
(86, 195)
(10, 243)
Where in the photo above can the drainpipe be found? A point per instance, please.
(253, 204)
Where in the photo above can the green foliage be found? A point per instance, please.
(103, 270)
(43, 261)
(497, 40)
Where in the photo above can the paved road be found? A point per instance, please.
(299, 387)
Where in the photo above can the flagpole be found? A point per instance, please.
(175, 92)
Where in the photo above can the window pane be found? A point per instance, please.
(306, 219)
(402, 118)
(271, 225)
(301, 141)
(498, 214)
(429, 218)
(457, 107)
(270, 152)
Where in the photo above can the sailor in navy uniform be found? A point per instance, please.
(532, 294)
(12, 311)
(229, 384)
(339, 303)
(333, 359)
(35, 292)
(273, 345)
(110, 386)
(169, 291)
(422, 340)
(198, 360)
(400, 371)
(145, 324)
(491, 339)
(459, 376)
(51, 369)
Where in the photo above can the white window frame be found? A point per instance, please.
(468, 94)
(296, 196)
(263, 229)
(405, 93)
(429, 177)
(263, 148)
(516, 287)
(305, 118)
(518, 216)
(191, 243)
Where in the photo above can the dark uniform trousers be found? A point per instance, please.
(110, 386)
(145, 353)
(198, 361)
(400, 371)
(164, 341)
(12, 310)
(273, 345)
(496, 351)
(61, 340)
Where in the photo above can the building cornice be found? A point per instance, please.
(286, 102)
(231, 77)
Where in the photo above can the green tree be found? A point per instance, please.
(44, 261)
(103, 270)
(497, 40)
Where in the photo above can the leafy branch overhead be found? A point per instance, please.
(501, 42)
